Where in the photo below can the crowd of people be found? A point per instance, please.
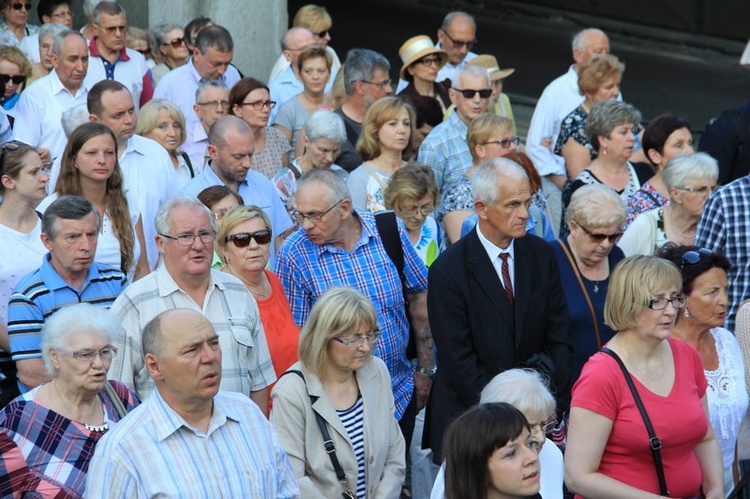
(219, 284)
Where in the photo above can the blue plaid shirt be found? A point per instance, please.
(307, 270)
(724, 227)
(446, 151)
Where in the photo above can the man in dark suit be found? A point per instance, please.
(487, 315)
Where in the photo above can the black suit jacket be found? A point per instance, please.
(478, 335)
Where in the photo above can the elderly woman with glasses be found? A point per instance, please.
(168, 47)
(609, 453)
(587, 257)
(340, 387)
(250, 100)
(699, 323)
(689, 181)
(528, 392)
(48, 435)
(244, 240)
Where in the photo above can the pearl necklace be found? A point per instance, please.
(97, 429)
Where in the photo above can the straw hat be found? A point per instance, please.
(417, 47)
(490, 63)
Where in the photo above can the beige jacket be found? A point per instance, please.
(295, 422)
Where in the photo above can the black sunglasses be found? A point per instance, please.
(322, 34)
(469, 93)
(16, 79)
(19, 6)
(242, 240)
(693, 257)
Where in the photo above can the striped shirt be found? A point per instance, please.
(43, 292)
(353, 420)
(307, 270)
(154, 453)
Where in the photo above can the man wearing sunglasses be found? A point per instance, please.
(445, 149)
(186, 235)
(110, 59)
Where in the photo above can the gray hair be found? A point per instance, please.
(580, 39)
(596, 205)
(472, 71)
(51, 29)
(525, 389)
(67, 208)
(161, 221)
(109, 8)
(325, 125)
(209, 84)
(60, 39)
(605, 116)
(681, 170)
(215, 37)
(156, 36)
(360, 65)
(74, 117)
(67, 322)
(484, 182)
(89, 6)
(335, 183)
(452, 16)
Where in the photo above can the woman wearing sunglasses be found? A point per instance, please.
(690, 180)
(15, 69)
(422, 62)
(244, 238)
(167, 43)
(340, 385)
(587, 257)
(15, 27)
(609, 452)
(704, 282)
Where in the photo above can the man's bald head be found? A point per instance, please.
(588, 43)
(152, 337)
(217, 134)
(294, 41)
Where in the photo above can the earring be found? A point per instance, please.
(687, 313)
(604, 151)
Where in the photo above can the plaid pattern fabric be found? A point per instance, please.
(724, 227)
(307, 270)
(44, 451)
(445, 150)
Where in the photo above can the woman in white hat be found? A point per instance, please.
(422, 62)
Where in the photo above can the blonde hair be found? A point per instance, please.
(14, 55)
(596, 205)
(149, 113)
(410, 182)
(313, 17)
(233, 218)
(596, 71)
(339, 311)
(633, 283)
(483, 127)
(379, 113)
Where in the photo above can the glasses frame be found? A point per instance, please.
(599, 238)
(111, 30)
(425, 211)
(470, 93)
(21, 5)
(187, 240)
(323, 33)
(381, 85)
(242, 239)
(258, 105)
(79, 354)
(314, 218)
(429, 61)
(174, 42)
(225, 104)
(677, 302)
(505, 143)
(699, 190)
(459, 43)
(372, 337)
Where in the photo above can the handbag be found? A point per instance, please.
(577, 272)
(653, 441)
(330, 447)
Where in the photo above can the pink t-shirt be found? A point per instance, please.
(678, 419)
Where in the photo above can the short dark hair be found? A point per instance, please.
(67, 208)
(47, 7)
(212, 195)
(215, 37)
(428, 110)
(94, 99)
(659, 129)
(196, 24)
(690, 272)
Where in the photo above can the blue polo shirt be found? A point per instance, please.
(41, 293)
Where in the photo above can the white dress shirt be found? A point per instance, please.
(494, 253)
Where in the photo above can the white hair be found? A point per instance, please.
(525, 389)
(74, 117)
(472, 71)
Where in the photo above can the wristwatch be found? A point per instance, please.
(428, 372)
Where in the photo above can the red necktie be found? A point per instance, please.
(506, 279)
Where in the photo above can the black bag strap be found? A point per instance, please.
(327, 442)
(654, 442)
(188, 163)
(388, 230)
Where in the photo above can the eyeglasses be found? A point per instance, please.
(63, 15)
(19, 6)
(313, 217)
(546, 428)
(706, 189)
(430, 61)
(88, 355)
(111, 30)
(382, 85)
(187, 239)
(242, 239)
(469, 93)
(259, 104)
(175, 43)
(506, 143)
(16, 79)
(353, 343)
(417, 210)
(693, 257)
(323, 33)
(661, 303)
(599, 238)
(224, 104)
(459, 43)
